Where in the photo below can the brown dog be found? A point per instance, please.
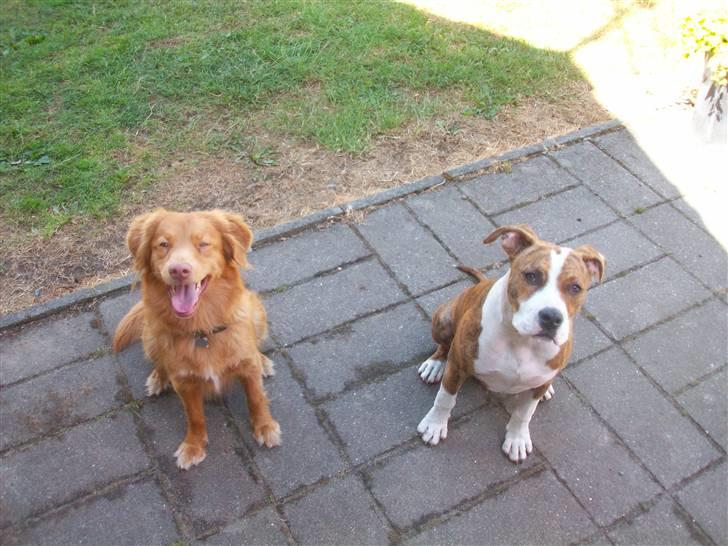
(199, 324)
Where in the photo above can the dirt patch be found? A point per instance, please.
(304, 179)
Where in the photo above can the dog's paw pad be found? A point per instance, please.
(549, 394)
(430, 371)
(268, 435)
(189, 455)
(155, 386)
(517, 445)
(431, 430)
(268, 370)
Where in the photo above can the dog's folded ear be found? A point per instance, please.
(594, 261)
(139, 237)
(514, 238)
(237, 238)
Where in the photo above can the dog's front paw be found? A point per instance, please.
(517, 444)
(431, 370)
(268, 370)
(268, 434)
(549, 394)
(155, 385)
(189, 455)
(432, 429)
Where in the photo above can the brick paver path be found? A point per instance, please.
(632, 449)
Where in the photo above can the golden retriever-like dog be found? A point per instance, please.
(199, 324)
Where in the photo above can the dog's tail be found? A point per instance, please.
(477, 275)
(130, 328)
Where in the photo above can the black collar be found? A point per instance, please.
(202, 338)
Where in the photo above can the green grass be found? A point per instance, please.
(84, 84)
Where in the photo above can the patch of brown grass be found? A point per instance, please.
(304, 179)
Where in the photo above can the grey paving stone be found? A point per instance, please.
(708, 405)
(433, 300)
(136, 368)
(562, 216)
(610, 241)
(662, 524)
(131, 514)
(44, 346)
(264, 527)
(306, 454)
(435, 479)
(379, 343)
(592, 462)
(606, 177)
(687, 243)
(666, 442)
(325, 302)
(58, 399)
(376, 417)
(218, 490)
(527, 181)
(340, 512)
(685, 348)
(59, 469)
(303, 256)
(458, 224)
(705, 499)
(113, 310)
(621, 146)
(648, 295)
(416, 258)
(588, 339)
(553, 517)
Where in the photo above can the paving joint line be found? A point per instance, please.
(333, 434)
(493, 490)
(252, 468)
(100, 352)
(282, 289)
(81, 499)
(699, 380)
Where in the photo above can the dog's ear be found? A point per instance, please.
(237, 238)
(139, 237)
(514, 238)
(594, 261)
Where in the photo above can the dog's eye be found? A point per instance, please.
(203, 244)
(574, 289)
(531, 277)
(164, 244)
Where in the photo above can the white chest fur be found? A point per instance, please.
(507, 361)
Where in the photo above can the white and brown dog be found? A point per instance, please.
(514, 334)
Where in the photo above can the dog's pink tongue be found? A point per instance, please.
(184, 298)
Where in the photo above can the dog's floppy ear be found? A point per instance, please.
(594, 261)
(515, 238)
(139, 236)
(237, 237)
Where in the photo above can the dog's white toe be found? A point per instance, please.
(268, 370)
(154, 384)
(432, 430)
(517, 445)
(549, 394)
(431, 370)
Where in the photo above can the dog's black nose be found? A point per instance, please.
(550, 319)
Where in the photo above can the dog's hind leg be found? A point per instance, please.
(443, 331)
(157, 382)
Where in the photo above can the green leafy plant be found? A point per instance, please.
(709, 36)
